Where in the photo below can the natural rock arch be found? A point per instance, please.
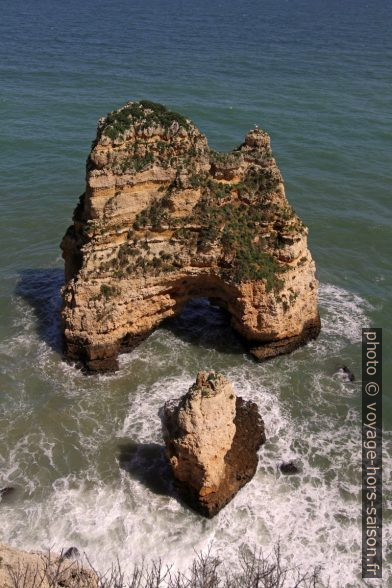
(165, 218)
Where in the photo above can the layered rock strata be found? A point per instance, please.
(212, 438)
(165, 218)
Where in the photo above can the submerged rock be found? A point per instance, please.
(165, 218)
(7, 491)
(289, 468)
(346, 374)
(212, 438)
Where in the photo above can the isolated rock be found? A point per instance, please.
(6, 491)
(165, 218)
(346, 374)
(212, 438)
(289, 468)
(70, 553)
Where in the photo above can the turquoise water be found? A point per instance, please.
(317, 77)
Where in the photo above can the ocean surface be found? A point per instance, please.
(83, 452)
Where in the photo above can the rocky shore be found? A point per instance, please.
(165, 218)
(36, 569)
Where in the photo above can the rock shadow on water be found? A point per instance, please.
(40, 288)
(204, 324)
(147, 463)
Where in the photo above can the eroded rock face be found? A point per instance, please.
(164, 218)
(211, 438)
(200, 431)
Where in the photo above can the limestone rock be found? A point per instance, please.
(42, 570)
(165, 218)
(211, 438)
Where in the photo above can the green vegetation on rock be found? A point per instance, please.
(155, 215)
(244, 220)
(108, 291)
(235, 226)
(136, 163)
(145, 114)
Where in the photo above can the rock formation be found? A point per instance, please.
(212, 438)
(346, 374)
(42, 570)
(165, 218)
(289, 468)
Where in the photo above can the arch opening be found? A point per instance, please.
(206, 323)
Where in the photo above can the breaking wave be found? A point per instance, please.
(85, 454)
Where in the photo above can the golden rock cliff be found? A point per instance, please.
(165, 218)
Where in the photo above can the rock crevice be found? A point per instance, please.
(165, 218)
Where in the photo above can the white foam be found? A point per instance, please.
(343, 315)
(310, 415)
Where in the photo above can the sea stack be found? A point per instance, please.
(165, 218)
(212, 438)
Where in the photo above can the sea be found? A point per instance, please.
(84, 454)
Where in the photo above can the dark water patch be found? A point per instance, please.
(147, 463)
(7, 492)
(203, 324)
(40, 288)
